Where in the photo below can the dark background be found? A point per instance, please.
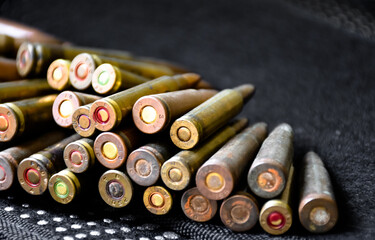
(312, 63)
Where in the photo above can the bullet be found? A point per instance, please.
(11, 157)
(82, 122)
(112, 148)
(198, 124)
(64, 186)
(84, 65)
(66, 103)
(178, 171)
(115, 188)
(317, 209)
(197, 207)
(8, 70)
(157, 200)
(79, 155)
(143, 164)
(154, 113)
(58, 74)
(108, 112)
(217, 177)
(20, 116)
(239, 212)
(22, 89)
(269, 171)
(109, 79)
(34, 58)
(276, 215)
(34, 171)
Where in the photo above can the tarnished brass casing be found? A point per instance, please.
(64, 186)
(79, 155)
(21, 89)
(81, 121)
(8, 70)
(157, 200)
(197, 207)
(58, 74)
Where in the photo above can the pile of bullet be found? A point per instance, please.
(150, 123)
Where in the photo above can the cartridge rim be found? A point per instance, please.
(32, 166)
(117, 150)
(157, 200)
(7, 171)
(282, 216)
(119, 178)
(239, 212)
(104, 78)
(157, 119)
(81, 152)
(266, 179)
(81, 71)
(175, 174)
(214, 181)
(112, 112)
(316, 201)
(193, 197)
(86, 130)
(185, 134)
(9, 123)
(64, 107)
(58, 74)
(63, 180)
(150, 164)
(25, 60)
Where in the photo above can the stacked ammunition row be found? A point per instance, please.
(156, 127)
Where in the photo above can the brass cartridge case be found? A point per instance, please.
(269, 171)
(58, 74)
(276, 214)
(20, 116)
(154, 113)
(66, 103)
(112, 148)
(143, 164)
(158, 200)
(34, 58)
(115, 188)
(64, 186)
(79, 155)
(11, 157)
(8, 70)
(317, 206)
(178, 171)
(22, 89)
(217, 177)
(198, 124)
(109, 79)
(239, 212)
(81, 121)
(197, 207)
(34, 171)
(108, 112)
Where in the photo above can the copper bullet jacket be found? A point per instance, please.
(217, 177)
(21, 89)
(11, 157)
(197, 207)
(143, 164)
(239, 212)
(58, 74)
(79, 155)
(276, 215)
(8, 70)
(269, 171)
(108, 79)
(157, 200)
(81, 121)
(202, 121)
(20, 116)
(66, 103)
(317, 207)
(154, 113)
(115, 188)
(178, 171)
(64, 186)
(112, 148)
(35, 171)
(109, 111)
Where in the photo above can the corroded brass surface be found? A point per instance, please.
(197, 207)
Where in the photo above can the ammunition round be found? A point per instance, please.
(82, 122)
(11, 121)
(7, 171)
(79, 155)
(197, 207)
(64, 186)
(81, 70)
(111, 150)
(175, 174)
(105, 78)
(26, 59)
(157, 200)
(275, 217)
(58, 74)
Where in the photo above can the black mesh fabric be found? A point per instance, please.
(312, 63)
